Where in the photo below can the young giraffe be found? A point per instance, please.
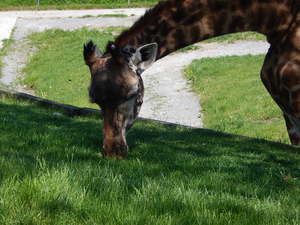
(116, 83)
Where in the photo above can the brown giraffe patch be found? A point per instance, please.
(290, 74)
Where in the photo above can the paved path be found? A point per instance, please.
(6, 26)
(9, 18)
(16, 59)
(168, 96)
(175, 102)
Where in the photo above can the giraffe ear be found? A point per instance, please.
(91, 53)
(144, 57)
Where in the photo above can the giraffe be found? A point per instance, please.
(116, 75)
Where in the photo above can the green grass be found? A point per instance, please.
(72, 4)
(57, 71)
(188, 48)
(51, 173)
(230, 38)
(234, 99)
(106, 15)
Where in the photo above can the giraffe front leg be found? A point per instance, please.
(290, 82)
(281, 77)
(292, 129)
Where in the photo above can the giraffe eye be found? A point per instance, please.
(132, 50)
(112, 46)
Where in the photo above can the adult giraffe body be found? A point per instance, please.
(116, 83)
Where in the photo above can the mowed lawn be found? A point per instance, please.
(72, 4)
(233, 98)
(51, 173)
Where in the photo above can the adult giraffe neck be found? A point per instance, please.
(174, 24)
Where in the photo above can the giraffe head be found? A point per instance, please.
(117, 87)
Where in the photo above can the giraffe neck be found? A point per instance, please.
(174, 24)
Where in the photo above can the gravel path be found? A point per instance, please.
(168, 96)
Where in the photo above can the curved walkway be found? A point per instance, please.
(172, 93)
(168, 96)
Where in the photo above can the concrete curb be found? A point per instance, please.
(69, 110)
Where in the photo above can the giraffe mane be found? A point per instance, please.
(148, 18)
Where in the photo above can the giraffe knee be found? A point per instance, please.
(294, 137)
(290, 74)
(296, 107)
(293, 128)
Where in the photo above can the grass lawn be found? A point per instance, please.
(230, 38)
(106, 15)
(234, 99)
(51, 173)
(72, 4)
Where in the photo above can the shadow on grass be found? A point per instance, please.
(30, 135)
